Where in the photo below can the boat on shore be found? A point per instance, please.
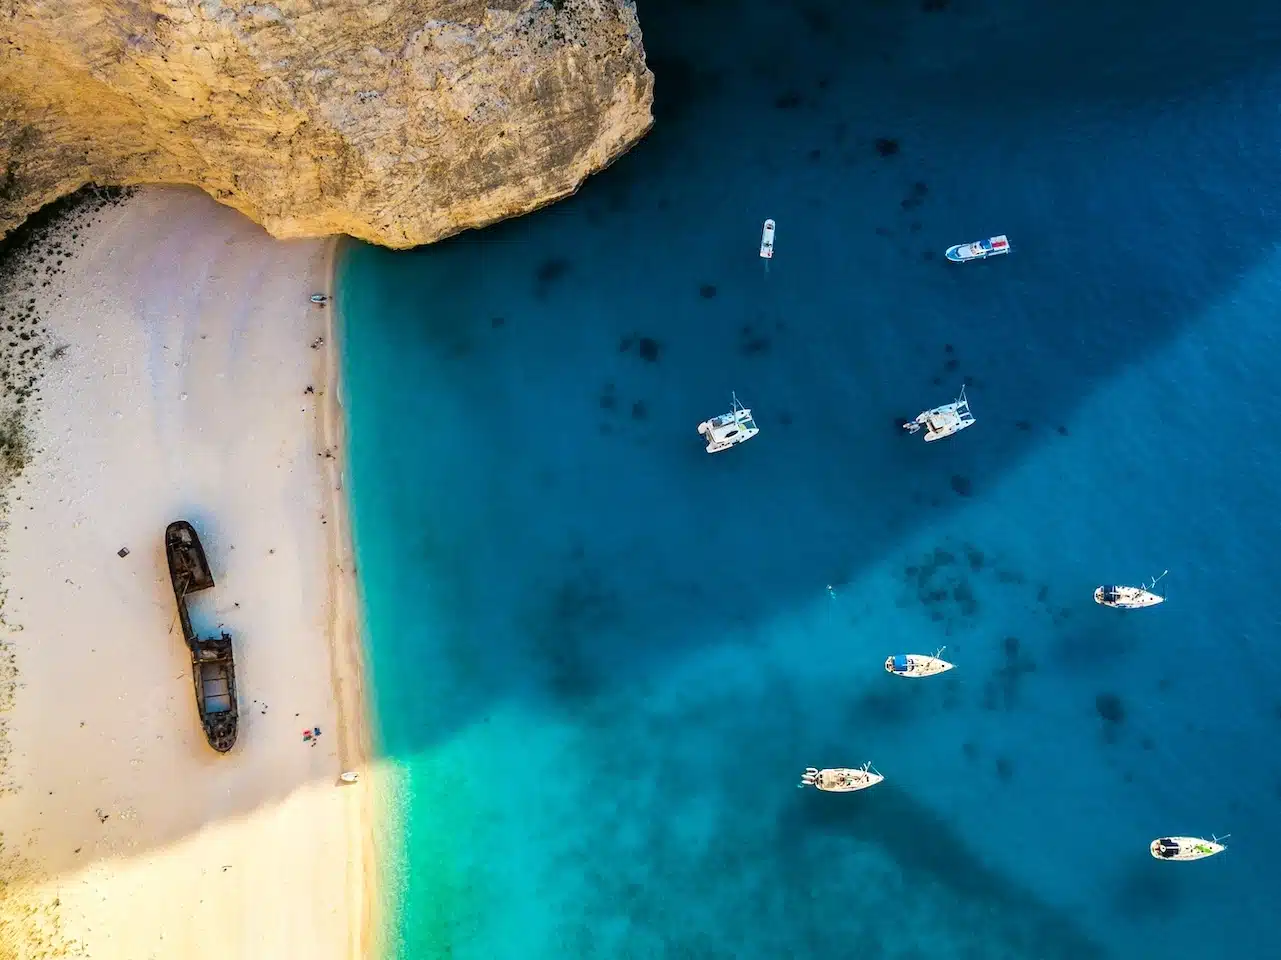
(1129, 598)
(212, 664)
(979, 249)
(943, 421)
(1186, 848)
(729, 429)
(917, 664)
(841, 779)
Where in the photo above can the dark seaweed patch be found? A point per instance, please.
(649, 349)
(1062, 430)
(887, 146)
(551, 270)
(707, 291)
(934, 6)
(1023, 424)
(608, 400)
(788, 100)
(1111, 711)
(751, 343)
(496, 322)
(625, 343)
(961, 485)
(784, 418)
(639, 410)
(815, 155)
(1004, 769)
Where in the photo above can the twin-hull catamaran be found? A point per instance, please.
(943, 421)
(917, 664)
(1129, 598)
(729, 429)
(1186, 848)
(841, 779)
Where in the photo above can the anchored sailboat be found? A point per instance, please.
(729, 429)
(1187, 848)
(1129, 598)
(917, 664)
(841, 779)
(943, 421)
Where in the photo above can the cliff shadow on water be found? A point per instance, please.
(524, 399)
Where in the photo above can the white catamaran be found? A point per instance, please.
(943, 421)
(1187, 848)
(1129, 598)
(841, 779)
(728, 429)
(917, 664)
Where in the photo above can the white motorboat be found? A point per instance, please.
(1129, 598)
(1186, 848)
(917, 664)
(767, 240)
(943, 421)
(349, 776)
(841, 779)
(729, 429)
(979, 249)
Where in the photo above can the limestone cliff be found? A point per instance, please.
(396, 121)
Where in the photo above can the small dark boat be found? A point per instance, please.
(212, 666)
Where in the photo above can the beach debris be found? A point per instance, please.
(310, 389)
(102, 817)
(315, 344)
(122, 552)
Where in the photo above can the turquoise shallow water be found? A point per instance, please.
(602, 657)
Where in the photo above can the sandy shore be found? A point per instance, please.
(187, 377)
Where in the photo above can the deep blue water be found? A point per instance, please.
(602, 657)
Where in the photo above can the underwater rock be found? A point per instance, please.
(398, 123)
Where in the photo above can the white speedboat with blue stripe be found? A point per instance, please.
(979, 249)
(917, 664)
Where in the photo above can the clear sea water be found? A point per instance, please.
(603, 658)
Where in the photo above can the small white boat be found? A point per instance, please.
(767, 240)
(1129, 598)
(319, 298)
(917, 664)
(943, 421)
(729, 429)
(841, 779)
(349, 776)
(1186, 848)
(979, 249)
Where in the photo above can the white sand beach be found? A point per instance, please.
(195, 384)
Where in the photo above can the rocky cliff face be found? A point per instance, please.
(396, 121)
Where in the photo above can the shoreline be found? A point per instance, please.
(356, 748)
(170, 295)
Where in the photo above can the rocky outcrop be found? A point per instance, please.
(395, 121)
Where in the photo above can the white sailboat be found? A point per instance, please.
(943, 421)
(917, 664)
(729, 429)
(1187, 848)
(841, 779)
(1129, 598)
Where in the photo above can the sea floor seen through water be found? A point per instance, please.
(603, 658)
